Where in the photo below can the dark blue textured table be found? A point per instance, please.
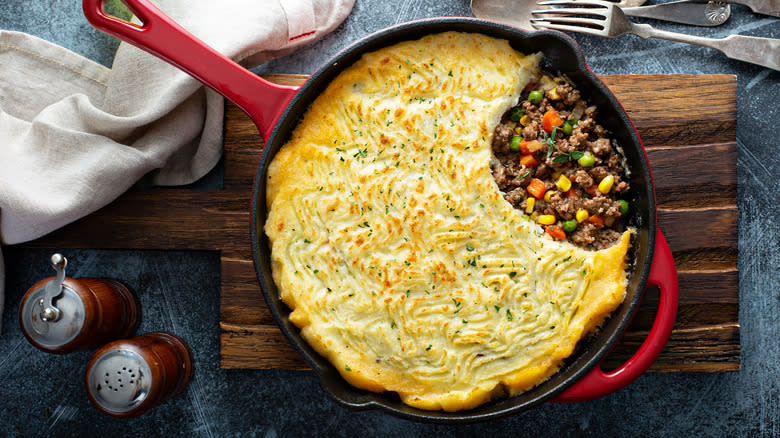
(43, 394)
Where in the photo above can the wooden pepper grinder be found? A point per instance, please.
(126, 378)
(62, 314)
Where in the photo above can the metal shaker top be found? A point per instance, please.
(49, 332)
(53, 315)
(119, 380)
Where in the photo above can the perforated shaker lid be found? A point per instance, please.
(119, 380)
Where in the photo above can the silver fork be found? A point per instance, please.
(605, 19)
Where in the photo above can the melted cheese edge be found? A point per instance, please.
(401, 261)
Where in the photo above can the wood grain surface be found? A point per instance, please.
(687, 124)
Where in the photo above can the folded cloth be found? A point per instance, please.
(74, 134)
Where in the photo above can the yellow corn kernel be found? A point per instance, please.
(563, 183)
(582, 215)
(519, 130)
(606, 184)
(525, 120)
(554, 94)
(546, 219)
(556, 175)
(529, 204)
(548, 196)
(534, 215)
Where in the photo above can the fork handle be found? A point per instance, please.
(757, 50)
(684, 11)
(768, 7)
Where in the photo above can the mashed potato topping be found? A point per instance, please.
(397, 253)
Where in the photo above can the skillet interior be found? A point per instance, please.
(561, 55)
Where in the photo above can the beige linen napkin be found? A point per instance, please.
(74, 134)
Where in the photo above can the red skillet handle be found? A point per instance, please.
(159, 35)
(597, 383)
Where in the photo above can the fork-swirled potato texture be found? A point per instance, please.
(402, 263)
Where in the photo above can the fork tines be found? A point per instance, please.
(585, 16)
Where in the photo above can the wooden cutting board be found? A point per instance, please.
(687, 123)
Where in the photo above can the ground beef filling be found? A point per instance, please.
(554, 162)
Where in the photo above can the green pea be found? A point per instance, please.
(623, 206)
(514, 144)
(573, 121)
(535, 97)
(516, 114)
(587, 160)
(566, 128)
(569, 226)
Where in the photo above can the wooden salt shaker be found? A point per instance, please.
(126, 378)
(62, 314)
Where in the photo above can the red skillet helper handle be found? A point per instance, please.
(262, 100)
(597, 383)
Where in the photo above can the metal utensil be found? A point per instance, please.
(684, 11)
(630, 3)
(767, 7)
(713, 13)
(605, 19)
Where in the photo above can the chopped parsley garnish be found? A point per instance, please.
(550, 140)
(527, 172)
(574, 155)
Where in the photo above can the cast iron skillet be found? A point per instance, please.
(276, 110)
